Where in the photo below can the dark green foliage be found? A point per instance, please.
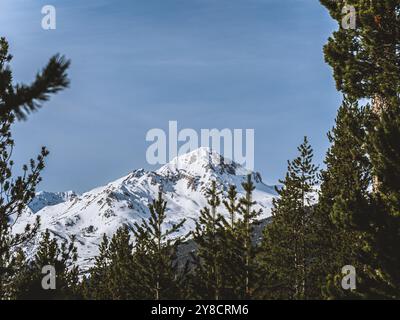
(155, 254)
(248, 217)
(232, 206)
(96, 287)
(344, 199)
(29, 276)
(23, 99)
(287, 248)
(381, 254)
(365, 225)
(365, 60)
(225, 265)
(17, 192)
(113, 275)
(366, 64)
(14, 196)
(209, 254)
(233, 248)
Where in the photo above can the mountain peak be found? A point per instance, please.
(202, 160)
(125, 201)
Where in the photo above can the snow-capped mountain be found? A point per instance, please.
(45, 199)
(104, 209)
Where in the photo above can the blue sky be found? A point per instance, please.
(138, 64)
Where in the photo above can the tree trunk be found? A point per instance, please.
(378, 107)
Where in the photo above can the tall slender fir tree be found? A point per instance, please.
(155, 257)
(344, 195)
(209, 256)
(287, 246)
(248, 218)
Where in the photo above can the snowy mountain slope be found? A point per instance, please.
(105, 209)
(45, 199)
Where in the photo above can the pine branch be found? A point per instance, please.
(25, 99)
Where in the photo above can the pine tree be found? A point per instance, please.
(96, 285)
(120, 269)
(287, 243)
(233, 247)
(21, 275)
(17, 192)
(209, 256)
(232, 206)
(248, 218)
(155, 254)
(113, 275)
(365, 226)
(62, 257)
(366, 65)
(365, 60)
(381, 257)
(344, 199)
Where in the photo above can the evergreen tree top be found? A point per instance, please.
(366, 59)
